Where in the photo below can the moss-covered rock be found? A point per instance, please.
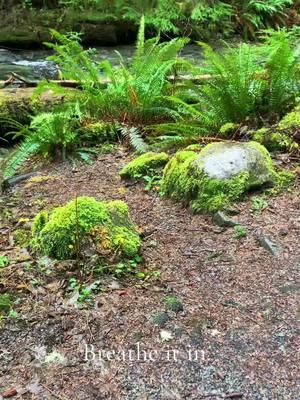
(222, 172)
(144, 164)
(82, 223)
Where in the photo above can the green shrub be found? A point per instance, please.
(66, 231)
(282, 68)
(246, 83)
(144, 165)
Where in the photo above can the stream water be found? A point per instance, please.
(33, 64)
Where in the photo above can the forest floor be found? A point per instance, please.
(237, 303)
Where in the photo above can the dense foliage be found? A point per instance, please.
(146, 104)
(182, 17)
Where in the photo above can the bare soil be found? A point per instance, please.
(239, 302)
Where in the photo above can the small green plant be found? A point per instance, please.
(6, 302)
(153, 181)
(173, 303)
(4, 261)
(13, 314)
(258, 204)
(84, 291)
(129, 267)
(239, 232)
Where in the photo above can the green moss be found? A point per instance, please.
(100, 132)
(267, 162)
(126, 239)
(184, 181)
(6, 302)
(194, 147)
(17, 108)
(144, 164)
(39, 222)
(177, 180)
(70, 228)
(273, 141)
(290, 121)
(21, 237)
(227, 129)
(260, 135)
(216, 194)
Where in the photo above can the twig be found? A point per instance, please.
(53, 393)
(236, 395)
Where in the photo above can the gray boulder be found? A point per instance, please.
(226, 160)
(209, 179)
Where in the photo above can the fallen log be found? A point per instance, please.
(23, 82)
(197, 79)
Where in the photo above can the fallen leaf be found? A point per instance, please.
(9, 393)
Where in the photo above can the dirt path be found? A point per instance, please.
(239, 303)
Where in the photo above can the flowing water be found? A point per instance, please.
(33, 64)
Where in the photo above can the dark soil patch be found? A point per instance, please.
(236, 310)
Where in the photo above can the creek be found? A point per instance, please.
(33, 64)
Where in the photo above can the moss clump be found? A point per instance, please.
(227, 129)
(144, 164)
(280, 137)
(194, 147)
(184, 179)
(100, 132)
(68, 229)
(21, 237)
(273, 141)
(291, 121)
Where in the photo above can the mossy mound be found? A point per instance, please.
(144, 164)
(273, 141)
(100, 132)
(227, 129)
(291, 121)
(282, 136)
(85, 223)
(222, 172)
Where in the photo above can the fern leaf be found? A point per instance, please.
(132, 135)
(19, 157)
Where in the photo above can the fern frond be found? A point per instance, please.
(19, 157)
(133, 136)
